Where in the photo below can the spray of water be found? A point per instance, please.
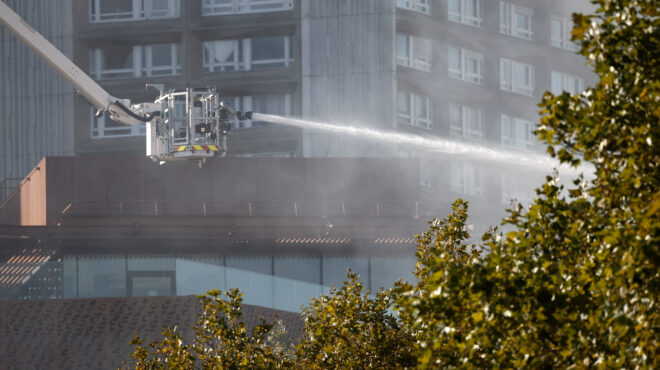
(433, 144)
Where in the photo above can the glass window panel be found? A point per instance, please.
(217, 7)
(334, 269)
(555, 32)
(520, 73)
(70, 277)
(105, 127)
(301, 269)
(505, 74)
(455, 62)
(116, 6)
(268, 52)
(117, 62)
(261, 265)
(123, 10)
(220, 55)
(257, 287)
(199, 276)
(162, 8)
(421, 106)
(386, 271)
(101, 277)
(456, 177)
(455, 121)
(422, 53)
(161, 55)
(522, 21)
(472, 8)
(555, 83)
(151, 264)
(403, 103)
(402, 48)
(289, 294)
(151, 286)
(454, 12)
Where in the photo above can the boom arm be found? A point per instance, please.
(120, 110)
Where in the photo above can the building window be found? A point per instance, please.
(516, 77)
(564, 82)
(135, 61)
(516, 21)
(427, 172)
(413, 52)
(278, 104)
(270, 52)
(466, 12)
(219, 7)
(422, 6)
(221, 56)
(414, 110)
(247, 54)
(466, 179)
(127, 10)
(514, 189)
(466, 122)
(466, 65)
(517, 133)
(104, 127)
(560, 33)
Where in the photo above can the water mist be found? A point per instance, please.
(441, 145)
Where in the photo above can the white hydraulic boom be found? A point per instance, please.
(181, 124)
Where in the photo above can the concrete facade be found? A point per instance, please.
(36, 104)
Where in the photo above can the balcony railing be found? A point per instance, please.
(220, 7)
(168, 208)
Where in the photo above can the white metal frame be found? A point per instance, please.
(509, 21)
(461, 125)
(569, 83)
(466, 59)
(242, 56)
(508, 80)
(563, 40)
(421, 6)
(222, 7)
(517, 132)
(462, 16)
(466, 178)
(141, 10)
(413, 117)
(143, 64)
(412, 59)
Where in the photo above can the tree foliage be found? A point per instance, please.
(221, 341)
(575, 284)
(348, 328)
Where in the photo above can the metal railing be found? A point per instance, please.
(165, 208)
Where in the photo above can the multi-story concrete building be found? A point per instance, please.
(469, 70)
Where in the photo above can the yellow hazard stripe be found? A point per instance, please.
(197, 147)
(180, 148)
(213, 148)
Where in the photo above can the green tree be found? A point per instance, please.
(349, 329)
(576, 283)
(221, 341)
